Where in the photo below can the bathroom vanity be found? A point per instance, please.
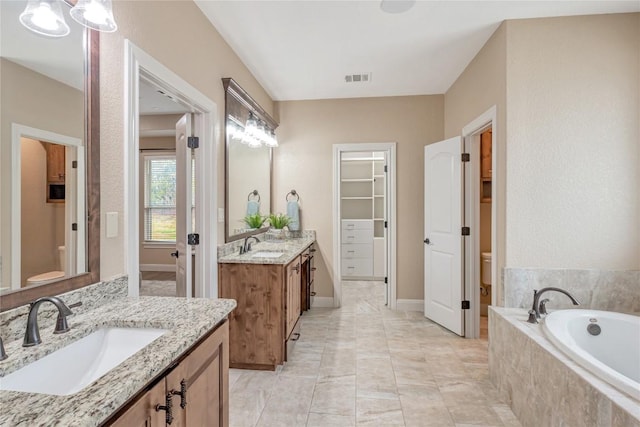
(271, 284)
(180, 376)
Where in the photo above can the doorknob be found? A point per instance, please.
(175, 254)
(427, 241)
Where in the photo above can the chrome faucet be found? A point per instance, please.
(3, 354)
(540, 306)
(246, 246)
(32, 335)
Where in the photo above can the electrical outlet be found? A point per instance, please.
(220, 214)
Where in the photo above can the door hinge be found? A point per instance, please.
(74, 226)
(74, 164)
(466, 157)
(386, 225)
(193, 142)
(466, 231)
(386, 280)
(193, 239)
(385, 168)
(466, 305)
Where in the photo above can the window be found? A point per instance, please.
(160, 197)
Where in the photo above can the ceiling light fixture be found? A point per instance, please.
(396, 6)
(44, 17)
(95, 14)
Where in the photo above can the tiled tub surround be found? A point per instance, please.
(13, 323)
(545, 387)
(290, 247)
(186, 320)
(607, 290)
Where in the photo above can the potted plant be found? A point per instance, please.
(278, 222)
(254, 221)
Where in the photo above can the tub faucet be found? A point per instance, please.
(534, 313)
(32, 335)
(246, 246)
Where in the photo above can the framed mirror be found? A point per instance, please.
(50, 216)
(248, 167)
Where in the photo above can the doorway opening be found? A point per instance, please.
(364, 224)
(170, 193)
(47, 172)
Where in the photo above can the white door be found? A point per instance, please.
(443, 234)
(183, 207)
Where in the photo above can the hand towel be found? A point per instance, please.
(293, 212)
(253, 207)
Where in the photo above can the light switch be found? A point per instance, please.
(220, 214)
(112, 224)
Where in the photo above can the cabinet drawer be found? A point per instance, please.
(357, 224)
(357, 267)
(357, 250)
(357, 236)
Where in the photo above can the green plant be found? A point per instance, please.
(254, 220)
(279, 221)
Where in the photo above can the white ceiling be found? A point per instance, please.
(303, 49)
(154, 101)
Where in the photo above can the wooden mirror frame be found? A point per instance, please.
(233, 90)
(24, 296)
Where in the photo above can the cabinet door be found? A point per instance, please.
(485, 154)
(293, 295)
(143, 412)
(200, 383)
(55, 163)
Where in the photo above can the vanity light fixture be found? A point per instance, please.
(44, 17)
(256, 133)
(95, 14)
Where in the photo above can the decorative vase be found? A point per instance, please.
(277, 233)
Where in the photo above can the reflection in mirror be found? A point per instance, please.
(47, 146)
(248, 166)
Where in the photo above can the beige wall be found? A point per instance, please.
(178, 35)
(573, 165)
(480, 86)
(41, 223)
(303, 161)
(22, 102)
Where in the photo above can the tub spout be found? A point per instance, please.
(534, 313)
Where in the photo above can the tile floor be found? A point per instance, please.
(363, 364)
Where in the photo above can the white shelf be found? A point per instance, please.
(357, 198)
(356, 180)
(378, 219)
(378, 176)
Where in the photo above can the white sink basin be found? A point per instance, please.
(267, 254)
(72, 368)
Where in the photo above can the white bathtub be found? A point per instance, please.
(613, 354)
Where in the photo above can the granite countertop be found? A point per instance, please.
(290, 247)
(186, 320)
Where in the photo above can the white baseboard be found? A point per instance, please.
(322, 302)
(410, 304)
(157, 267)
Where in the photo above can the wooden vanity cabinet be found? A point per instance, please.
(196, 388)
(265, 320)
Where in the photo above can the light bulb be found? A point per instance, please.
(95, 14)
(44, 17)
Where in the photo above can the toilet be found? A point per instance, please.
(486, 268)
(50, 276)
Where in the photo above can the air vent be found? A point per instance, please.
(358, 78)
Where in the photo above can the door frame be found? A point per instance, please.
(74, 210)
(139, 63)
(471, 143)
(390, 149)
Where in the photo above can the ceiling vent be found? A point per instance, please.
(358, 78)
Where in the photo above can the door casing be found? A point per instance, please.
(139, 63)
(390, 149)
